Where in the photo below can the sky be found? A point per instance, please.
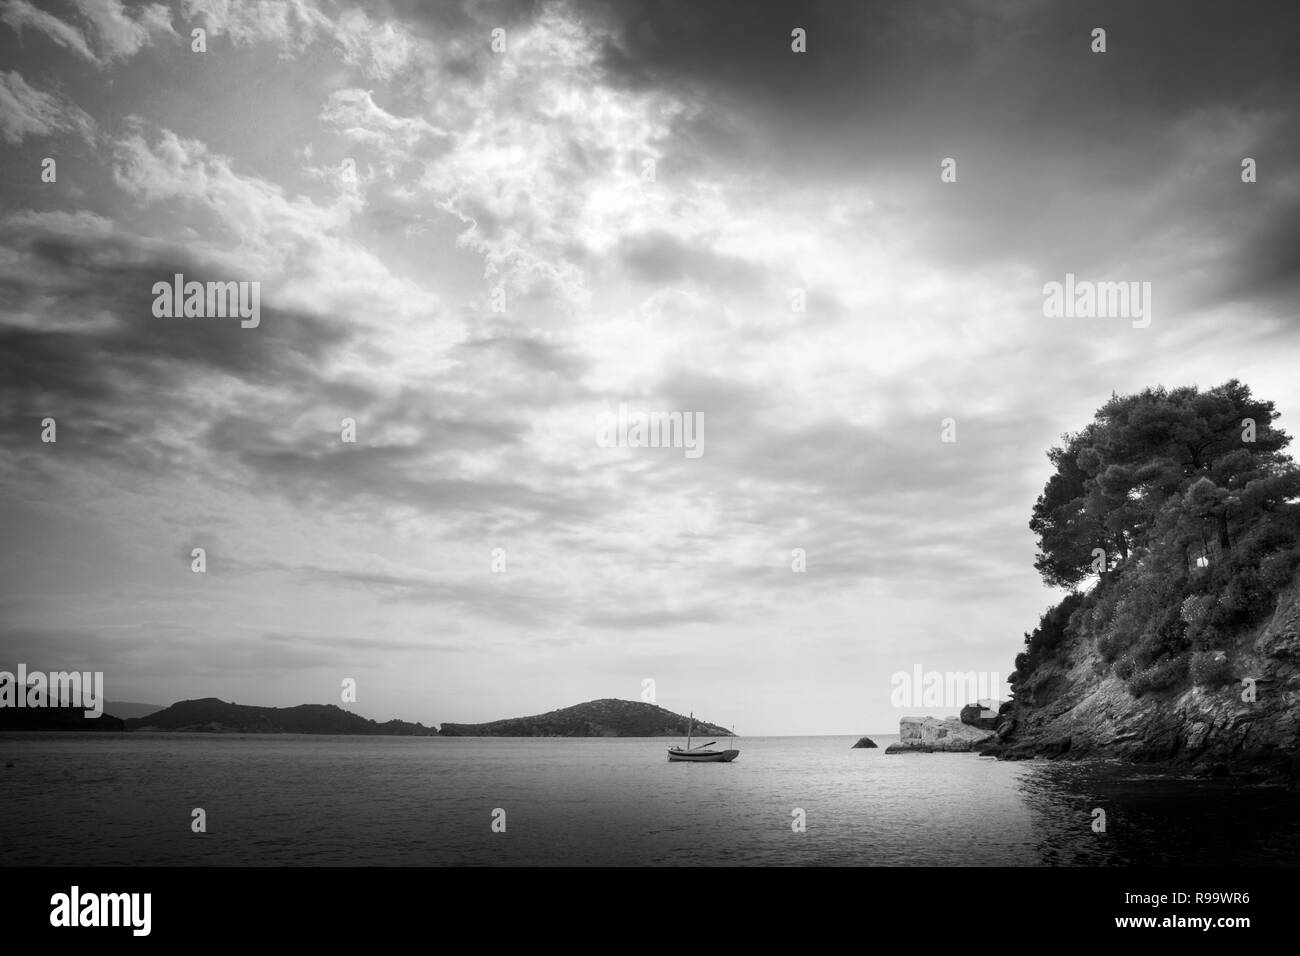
(478, 255)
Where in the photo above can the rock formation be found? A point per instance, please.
(982, 714)
(1249, 719)
(930, 734)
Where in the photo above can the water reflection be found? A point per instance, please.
(1155, 818)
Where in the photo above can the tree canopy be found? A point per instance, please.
(1192, 468)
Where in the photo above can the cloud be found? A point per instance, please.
(544, 164)
(300, 246)
(357, 117)
(380, 49)
(291, 25)
(21, 14)
(658, 258)
(648, 187)
(119, 33)
(93, 356)
(26, 111)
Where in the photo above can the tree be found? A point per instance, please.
(1067, 529)
(1184, 455)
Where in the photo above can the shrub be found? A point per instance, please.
(1249, 581)
(1276, 570)
(1124, 667)
(1210, 669)
(1206, 638)
(1195, 607)
(1159, 676)
(1109, 646)
(1195, 614)
(1049, 634)
(1164, 638)
(1245, 597)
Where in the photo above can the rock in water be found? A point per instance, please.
(928, 734)
(981, 714)
(863, 742)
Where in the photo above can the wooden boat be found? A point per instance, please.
(702, 753)
(703, 756)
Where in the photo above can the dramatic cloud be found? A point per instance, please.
(25, 111)
(123, 32)
(22, 15)
(483, 231)
(117, 32)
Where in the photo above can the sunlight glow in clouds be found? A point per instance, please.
(525, 172)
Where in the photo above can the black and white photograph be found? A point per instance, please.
(583, 434)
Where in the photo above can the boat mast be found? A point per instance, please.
(689, 727)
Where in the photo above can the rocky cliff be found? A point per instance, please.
(1238, 711)
(1172, 520)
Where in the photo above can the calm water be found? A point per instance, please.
(127, 799)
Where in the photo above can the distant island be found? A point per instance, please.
(127, 709)
(210, 715)
(595, 718)
(56, 718)
(608, 717)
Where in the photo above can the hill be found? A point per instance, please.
(126, 709)
(56, 718)
(210, 715)
(596, 718)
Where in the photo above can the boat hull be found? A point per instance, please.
(702, 756)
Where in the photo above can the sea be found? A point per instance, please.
(275, 800)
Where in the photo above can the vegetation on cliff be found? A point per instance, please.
(1182, 504)
(1181, 507)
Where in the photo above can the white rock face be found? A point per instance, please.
(938, 733)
